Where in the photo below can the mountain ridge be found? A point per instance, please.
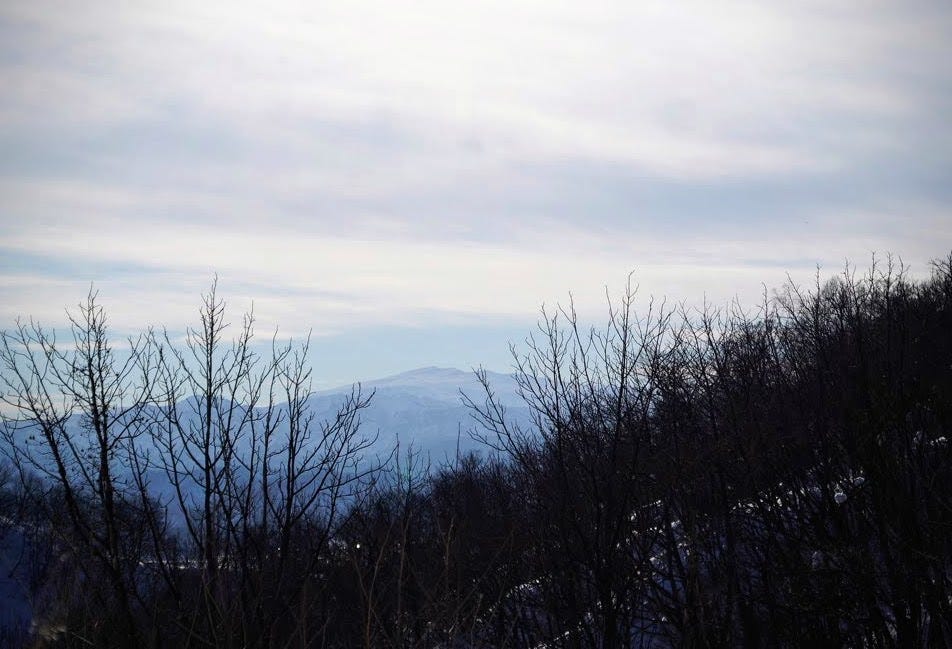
(424, 407)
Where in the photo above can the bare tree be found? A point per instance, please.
(258, 482)
(191, 490)
(72, 413)
(588, 458)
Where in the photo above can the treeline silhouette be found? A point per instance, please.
(773, 477)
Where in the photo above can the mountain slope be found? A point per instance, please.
(424, 407)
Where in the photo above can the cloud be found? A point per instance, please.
(428, 162)
(150, 274)
(691, 89)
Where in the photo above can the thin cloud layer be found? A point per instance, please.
(432, 162)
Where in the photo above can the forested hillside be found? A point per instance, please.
(724, 476)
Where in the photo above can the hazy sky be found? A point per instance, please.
(413, 180)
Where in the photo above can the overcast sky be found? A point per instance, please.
(412, 180)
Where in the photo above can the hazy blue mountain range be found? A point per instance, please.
(424, 407)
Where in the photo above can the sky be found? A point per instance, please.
(412, 181)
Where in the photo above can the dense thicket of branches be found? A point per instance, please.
(777, 477)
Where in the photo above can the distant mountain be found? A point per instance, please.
(424, 407)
